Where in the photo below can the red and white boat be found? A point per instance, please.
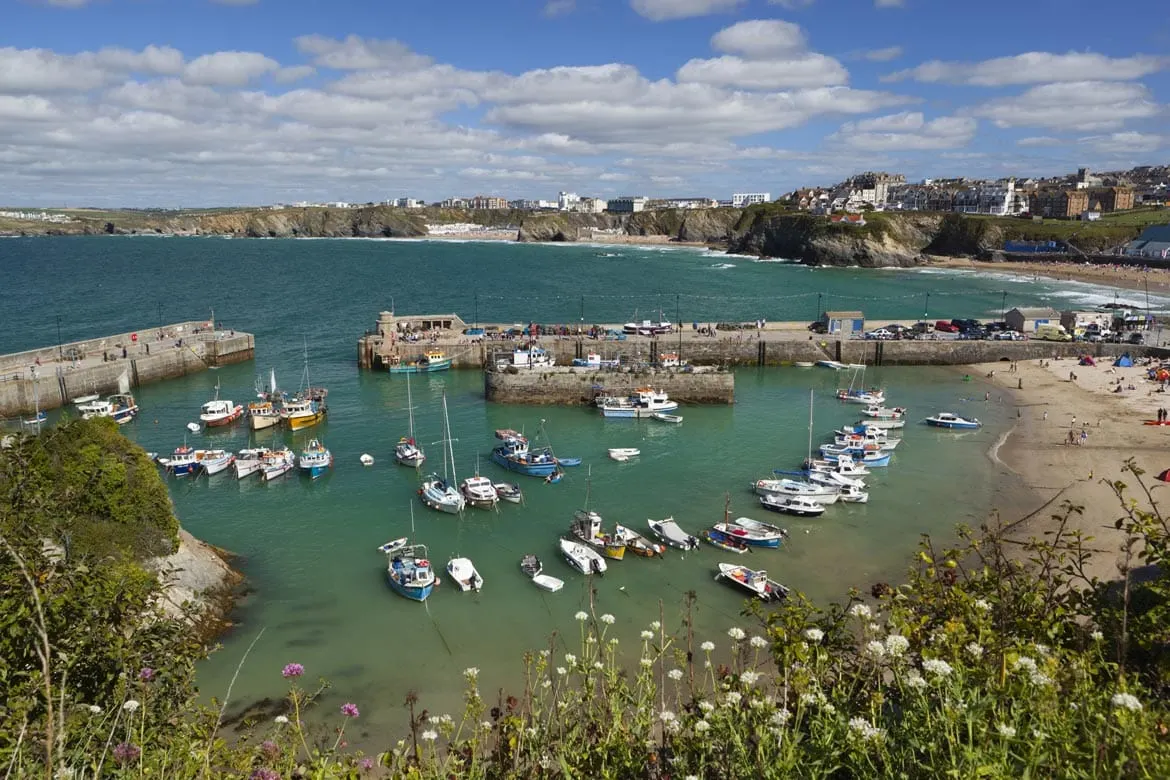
(218, 412)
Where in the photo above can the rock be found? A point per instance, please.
(199, 574)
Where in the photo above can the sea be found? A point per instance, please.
(317, 593)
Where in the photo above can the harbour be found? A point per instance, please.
(309, 546)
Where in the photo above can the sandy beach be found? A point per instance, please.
(1128, 277)
(1050, 405)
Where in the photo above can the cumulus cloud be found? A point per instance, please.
(1034, 67)
(1129, 142)
(356, 53)
(883, 55)
(766, 55)
(760, 39)
(662, 10)
(906, 131)
(1084, 105)
(559, 7)
(42, 70)
(228, 68)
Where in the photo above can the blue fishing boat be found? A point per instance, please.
(954, 421)
(409, 571)
(182, 462)
(426, 363)
(315, 459)
(870, 459)
(515, 454)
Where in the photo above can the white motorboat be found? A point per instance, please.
(667, 418)
(582, 557)
(249, 462)
(278, 463)
(754, 581)
(954, 421)
(756, 525)
(833, 364)
(854, 494)
(803, 364)
(194, 427)
(880, 442)
(884, 424)
(509, 492)
(668, 531)
(85, 399)
(215, 461)
(879, 412)
(366, 459)
(479, 492)
(217, 412)
(869, 397)
(645, 402)
(532, 567)
(822, 494)
(834, 479)
(463, 571)
(801, 506)
(622, 454)
(844, 465)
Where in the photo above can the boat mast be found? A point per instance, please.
(810, 423)
(306, 376)
(409, 407)
(450, 442)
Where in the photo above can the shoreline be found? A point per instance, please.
(1134, 278)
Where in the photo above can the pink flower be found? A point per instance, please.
(366, 764)
(269, 747)
(349, 710)
(264, 774)
(293, 670)
(146, 674)
(126, 752)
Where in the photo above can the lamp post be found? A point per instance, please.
(1003, 307)
(581, 327)
(819, 296)
(477, 310)
(926, 309)
(60, 353)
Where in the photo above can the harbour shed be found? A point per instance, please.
(845, 323)
(1028, 320)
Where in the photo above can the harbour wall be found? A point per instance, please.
(562, 385)
(97, 365)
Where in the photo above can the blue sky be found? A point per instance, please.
(197, 102)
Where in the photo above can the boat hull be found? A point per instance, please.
(429, 368)
(620, 412)
(248, 467)
(956, 426)
(276, 472)
(220, 421)
(259, 422)
(182, 469)
(528, 469)
(412, 592)
(218, 465)
(305, 421)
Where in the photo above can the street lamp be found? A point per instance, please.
(60, 353)
(819, 296)
(926, 309)
(1003, 307)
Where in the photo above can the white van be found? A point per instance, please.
(1052, 333)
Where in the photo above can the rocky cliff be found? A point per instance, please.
(885, 239)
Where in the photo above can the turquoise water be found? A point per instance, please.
(308, 548)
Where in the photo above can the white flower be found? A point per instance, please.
(597, 665)
(1096, 636)
(471, 672)
(814, 635)
(581, 616)
(655, 625)
(1005, 730)
(530, 731)
(613, 640)
(545, 653)
(570, 659)
(1127, 701)
(561, 670)
(281, 720)
(130, 705)
(1040, 679)
(897, 645)
(647, 635)
(701, 726)
(864, 728)
(982, 605)
(749, 677)
(874, 649)
(592, 640)
(607, 619)
(434, 720)
(546, 684)
(974, 649)
(1041, 649)
(861, 611)
(430, 735)
(915, 680)
(736, 633)
(707, 647)
(1024, 663)
(646, 663)
(95, 709)
(691, 777)
(781, 716)
(808, 698)
(64, 773)
(732, 699)
(874, 628)
(486, 725)
(937, 667)
(675, 674)
(706, 706)
(758, 642)
(666, 716)
(446, 719)
(828, 708)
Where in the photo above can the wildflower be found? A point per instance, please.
(95, 709)
(130, 705)
(974, 649)
(691, 777)
(597, 665)
(666, 716)
(655, 625)
(546, 684)
(897, 645)
(1040, 679)
(1041, 649)
(937, 667)
(281, 720)
(264, 774)
(814, 635)
(874, 628)
(1024, 663)
(269, 748)
(647, 635)
(591, 640)
(707, 647)
(781, 716)
(702, 726)
(607, 619)
(434, 720)
(749, 677)
(486, 725)
(861, 611)
(875, 649)
(570, 659)
(64, 773)
(471, 673)
(758, 642)
(366, 764)
(545, 653)
(293, 670)
(430, 735)
(706, 706)
(126, 752)
(646, 663)
(864, 728)
(1005, 730)
(1127, 701)
(530, 732)
(736, 633)
(982, 605)
(349, 710)
(757, 704)
(613, 640)
(146, 674)
(581, 616)
(675, 674)
(1096, 636)
(732, 699)
(915, 680)
(808, 698)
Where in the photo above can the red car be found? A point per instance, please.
(946, 327)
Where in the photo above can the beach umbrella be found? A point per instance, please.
(1165, 476)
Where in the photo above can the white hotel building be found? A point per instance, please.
(742, 199)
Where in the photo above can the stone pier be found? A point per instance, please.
(566, 386)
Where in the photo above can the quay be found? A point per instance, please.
(51, 377)
(570, 385)
(776, 344)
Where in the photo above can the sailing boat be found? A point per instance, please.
(263, 412)
(440, 492)
(783, 488)
(479, 491)
(308, 407)
(39, 417)
(860, 395)
(586, 526)
(407, 452)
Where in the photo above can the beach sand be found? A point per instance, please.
(1036, 450)
(1127, 277)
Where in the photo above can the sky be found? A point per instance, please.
(188, 103)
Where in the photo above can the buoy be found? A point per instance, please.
(367, 460)
(193, 427)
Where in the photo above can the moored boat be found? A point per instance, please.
(479, 492)
(749, 536)
(530, 357)
(756, 525)
(314, 459)
(534, 570)
(307, 407)
(801, 506)
(888, 423)
(509, 492)
(214, 461)
(466, 576)
(277, 463)
(668, 531)
(833, 364)
(218, 412)
(582, 557)
(622, 454)
(409, 572)
(854, 494)
(753, 581)
(407, 452)
(586, 527)
(428, 362)
(667, 418)
(879, 412)
(636, 543)
(182, 461)
(723, 541)
(822, 494)
(250, 461)
(645, 401)
(954, 421)
(439, 492)
(263, 413)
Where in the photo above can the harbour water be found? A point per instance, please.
(308, 548)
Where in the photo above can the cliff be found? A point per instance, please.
(200, 575)
(885, 239)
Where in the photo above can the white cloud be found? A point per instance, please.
(905, 132)
(294, 73)
(559, 7)
(236, 2)
(792, 5)
(760, 39)
(228, 68)
(27, 108)
(883, 55)
(1085, 105)
(1034, 68)
(662, 10)
(42, 70)
(889, 3)
(1129, 142)
(357, 53)
(1041, 140)
(809, 70)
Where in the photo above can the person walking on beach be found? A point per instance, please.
(1045, 414)
(1073, 424)
(1084, 435)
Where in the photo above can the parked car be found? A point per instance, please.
(1008, 335)
(475, 334)
(1134, 338)
(974, 334)
(946, 327)
(818, 327)
(879, 333)
(922, 327)
(996, 326)
(965, 325)
(895, 328)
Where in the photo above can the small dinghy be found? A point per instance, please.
(756, 525)
(509, 492)
(193, 427)
(582, 557)
(668, 531)
(636, 543)
(801, 506)
(724, 541)
(392, 546)
(852, 494)
(756, 538)
(622, 454)
(463, 571)
(667, 418)
(532, 567)
(803, 364)
(753, 581)
(366, 459)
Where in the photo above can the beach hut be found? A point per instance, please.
(1028, 320)
(844, 323)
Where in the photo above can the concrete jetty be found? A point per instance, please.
(569, 385)
(51, 377)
